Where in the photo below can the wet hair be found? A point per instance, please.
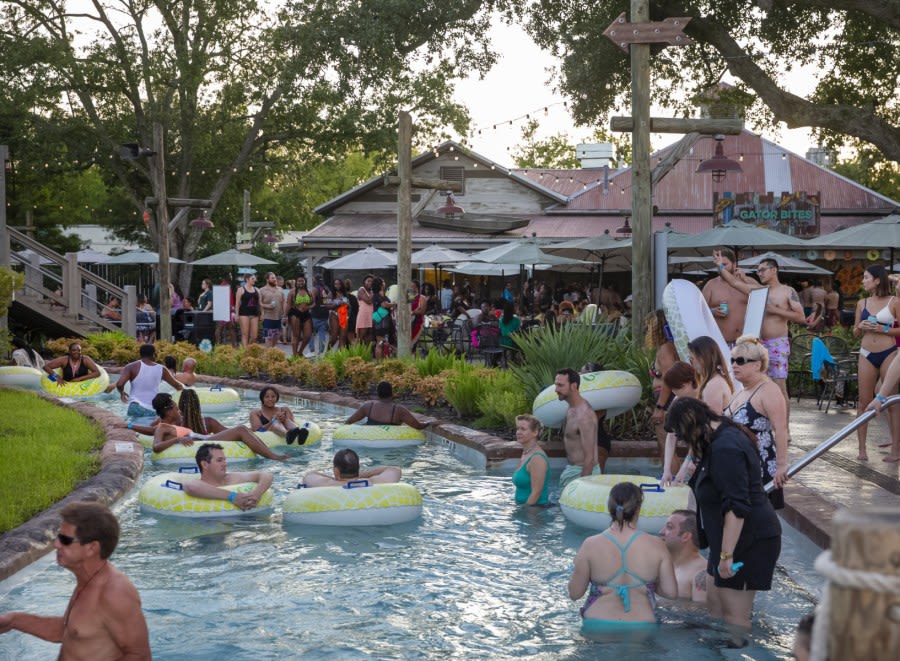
(591, 367)
(689, 524)
(161, 403)
(533, 423)
(883, 288)
(754, 348)
(656, 329)
(728, 254)
(19, 343)
(262, 393)
(347, 463)
(147, 351)
(170, 363)
(710, 359)
(624, 502)
(570, 374)
(204, 453)
(191, 414)
(93, 523)
(384, 390)
(691, 420)
(679, 375)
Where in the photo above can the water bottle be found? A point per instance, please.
(723, 308)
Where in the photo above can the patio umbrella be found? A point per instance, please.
(734, 235)
(881, 233)
(522, 251)
(436, 255)
(785, 264)
(232, 258)
(88, 256)
(139, 256)
(483, 268)
(368, 259)
(25, 256)
(598, 249)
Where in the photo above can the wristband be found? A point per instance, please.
(881, 398)
(231, 496)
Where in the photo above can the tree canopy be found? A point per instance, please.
(853, 45)
(236, 84)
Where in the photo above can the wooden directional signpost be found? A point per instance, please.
(638, 35)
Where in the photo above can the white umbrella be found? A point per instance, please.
(362, 260)
(89, 256)
(785, 264)
(139, 256)
(734, 235)
(25, 256)
(483, 268)
(232, 258)
(435, 254)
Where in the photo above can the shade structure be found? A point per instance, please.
(368, 259)
(484, 268)
(139, 256)
(89, 256)
(735, 235)
(435, 254)
(785, 264)
(883, 233)
(592, 248)
(232, 258)
(26, 255)
(522, 251)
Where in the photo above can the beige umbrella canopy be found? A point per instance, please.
(368, 259)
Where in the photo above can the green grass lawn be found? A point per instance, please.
(45, 450)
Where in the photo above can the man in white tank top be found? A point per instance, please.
(145, 375)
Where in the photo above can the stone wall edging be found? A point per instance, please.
(119, 471)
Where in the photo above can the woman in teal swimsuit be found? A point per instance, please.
(532, 476)
(624, 568)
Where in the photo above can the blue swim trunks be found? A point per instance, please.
(136, 410)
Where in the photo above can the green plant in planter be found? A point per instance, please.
(361, 374)
(300, 369)
(323, 375)
(341, 356)
(431, 389)
(466, 384)
(503, 400)
(436, 362)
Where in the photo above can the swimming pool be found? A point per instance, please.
(475, 578)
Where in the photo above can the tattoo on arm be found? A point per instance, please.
(794, 296)
(700, 581)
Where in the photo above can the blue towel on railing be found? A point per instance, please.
(820, 356)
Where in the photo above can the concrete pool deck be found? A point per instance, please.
(834, 481)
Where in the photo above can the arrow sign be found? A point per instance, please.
(668, 31)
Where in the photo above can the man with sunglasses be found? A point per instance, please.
(782, 307)
(104, 619)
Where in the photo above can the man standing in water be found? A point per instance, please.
(579, 429)
(104, 619)
(682, 539)
(145, 375)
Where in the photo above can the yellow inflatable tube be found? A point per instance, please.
(616, 391)
(16, 376)
(216, 399)
(184, 455)
(376, 436)
(358, 505)
(273, 440)
(164, 494)
(583, 501)
(78, 389)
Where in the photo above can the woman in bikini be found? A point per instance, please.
(383, 411)
(621, 566)
(875, 317)
(277, 419)
(75, 366)
(299, 317)
(246, 301)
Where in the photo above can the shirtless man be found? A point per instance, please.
(832, 301)
(170, 430)
(682, 539)
(214, 477)
(782, 307)
(186, 375)
(346, 468)
(579, 429)
(104, 619)
(817, 295)
(271, 300)
(728, 305)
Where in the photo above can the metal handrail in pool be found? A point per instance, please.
(832, 440)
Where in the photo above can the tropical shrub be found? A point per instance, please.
(341, 356)
(361, 374)
(436, 362)
(10, 281)
(300, 369)
(323, 375)
(503, 400)
(431, 389)
(466, 384)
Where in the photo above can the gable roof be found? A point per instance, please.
(378, 181)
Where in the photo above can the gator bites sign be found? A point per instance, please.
(796, 214)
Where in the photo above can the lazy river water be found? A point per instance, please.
(475, 578)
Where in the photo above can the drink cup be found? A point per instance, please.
(723, 308)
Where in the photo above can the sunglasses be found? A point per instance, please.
(65, 540)
(740, 360)
(654, 373)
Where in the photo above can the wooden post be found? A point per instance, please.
(865, 624)
(158, 180)
(641, 200)
(404, 233)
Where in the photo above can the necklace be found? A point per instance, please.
(78, 594)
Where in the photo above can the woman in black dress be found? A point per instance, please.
(735, 516)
